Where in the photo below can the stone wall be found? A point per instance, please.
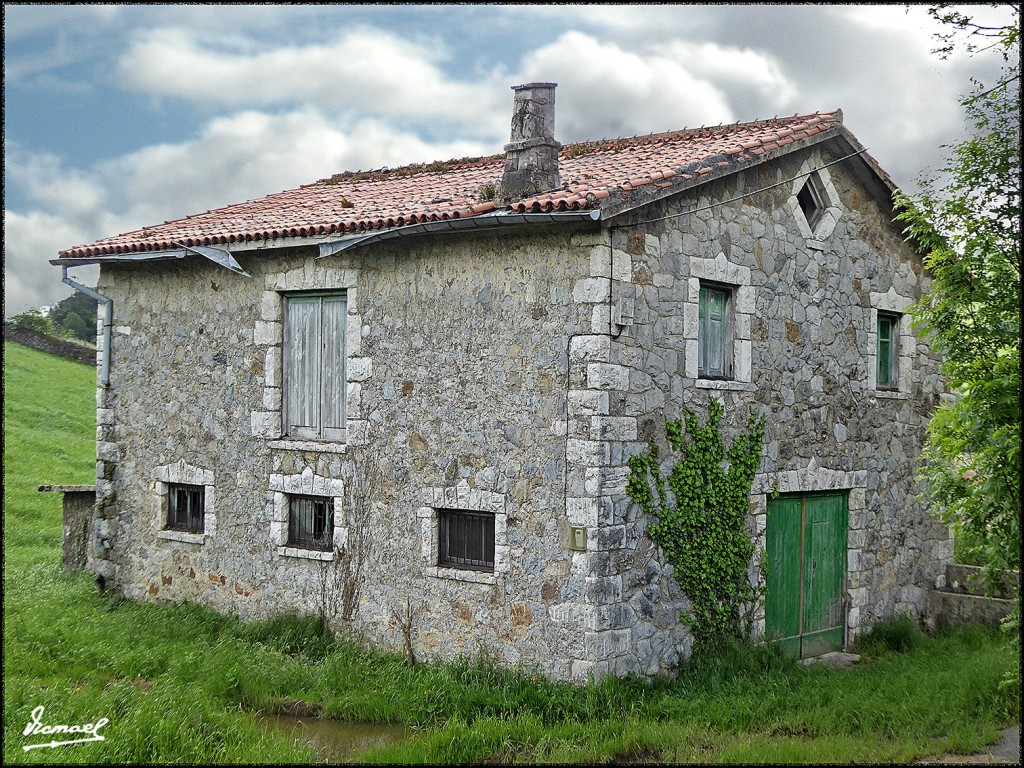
(805, 307)
(50, 345)
(456, 398)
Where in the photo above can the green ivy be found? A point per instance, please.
(701, 507)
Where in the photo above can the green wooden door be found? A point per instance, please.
(806, 541)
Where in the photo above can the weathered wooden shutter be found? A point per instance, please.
(713, 332)
(302, 366)
(332, 394)
(314, 366)
(884, 377)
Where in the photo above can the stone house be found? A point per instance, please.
(407, 397)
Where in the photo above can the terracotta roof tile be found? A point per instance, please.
(592, 174)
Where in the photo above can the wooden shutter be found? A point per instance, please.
(302, 367)
(332, 394)
(314, 366)
(885, 352)
(714, 351)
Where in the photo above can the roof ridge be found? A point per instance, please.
(708, 128)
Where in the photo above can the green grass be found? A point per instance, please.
(181, 683)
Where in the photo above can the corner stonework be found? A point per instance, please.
(596, 431)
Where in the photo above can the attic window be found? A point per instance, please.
(810, 199)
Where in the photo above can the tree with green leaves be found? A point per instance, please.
(75, 326)
(33, 320)
(967, 227)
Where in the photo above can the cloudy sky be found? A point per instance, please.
(126, 115)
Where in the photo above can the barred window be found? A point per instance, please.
(185, 507)
(466, 539)
(311, 522)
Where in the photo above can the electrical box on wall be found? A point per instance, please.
(578, 538)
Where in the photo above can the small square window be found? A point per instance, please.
(185, 507)
(311, 522)
(887, 352)
(466, 539)
(714, 332)
(810, 199)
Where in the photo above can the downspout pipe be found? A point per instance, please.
(108, 321)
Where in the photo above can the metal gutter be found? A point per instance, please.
(218, 256)
(119, 258)
(483, 222)
(108, 321)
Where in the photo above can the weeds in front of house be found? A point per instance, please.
(181, 683)
(900, 635)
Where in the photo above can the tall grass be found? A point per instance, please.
(180, 683)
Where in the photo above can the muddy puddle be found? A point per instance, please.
(334, 740)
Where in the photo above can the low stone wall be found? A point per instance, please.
(50, 345)
(963, 600)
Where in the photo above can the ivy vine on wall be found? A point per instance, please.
(701, 507)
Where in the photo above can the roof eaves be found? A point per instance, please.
(488, 221)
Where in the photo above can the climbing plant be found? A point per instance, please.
(701, 506)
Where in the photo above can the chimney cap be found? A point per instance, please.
(525, 86)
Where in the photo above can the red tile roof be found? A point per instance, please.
(591, 173)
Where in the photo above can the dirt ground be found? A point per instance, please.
(1006, 751)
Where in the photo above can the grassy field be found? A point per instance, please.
(182, 684)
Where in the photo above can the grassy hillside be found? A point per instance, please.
(49, 438)
(179, 683)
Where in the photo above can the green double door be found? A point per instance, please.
(806, 541)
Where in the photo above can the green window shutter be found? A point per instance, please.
(712, 332)
(885, 376)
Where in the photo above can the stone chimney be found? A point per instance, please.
(531, 156)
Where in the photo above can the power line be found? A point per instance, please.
(745, 194)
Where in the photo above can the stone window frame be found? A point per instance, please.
(720, 272)
(811, 172)
(182, 473)
(897, 306)
(306, 483)
(815, 479)
(314, 276)
(462, 497)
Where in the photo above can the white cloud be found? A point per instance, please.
(30, 240)
(251, 154)
(606, 91)
(364, 70)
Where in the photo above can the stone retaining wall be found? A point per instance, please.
(50, 345)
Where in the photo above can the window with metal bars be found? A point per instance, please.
(887, 351)
(466, 539)
(311, 522)
(714, 332)
(185, 507)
